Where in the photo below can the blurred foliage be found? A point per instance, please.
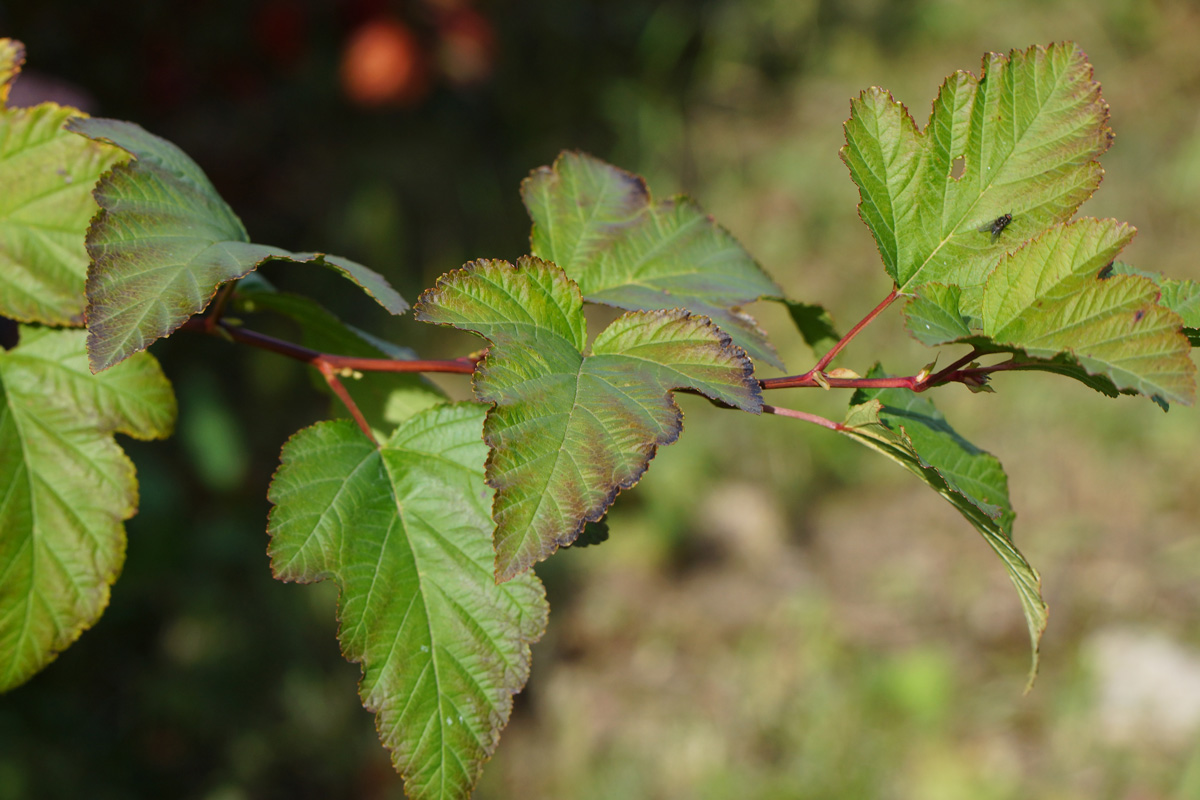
(757, 625)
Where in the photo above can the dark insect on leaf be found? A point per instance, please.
(1105, 272)
(997, 225)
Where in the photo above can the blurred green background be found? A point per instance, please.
(777, 614)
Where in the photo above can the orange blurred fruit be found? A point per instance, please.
(384, 64)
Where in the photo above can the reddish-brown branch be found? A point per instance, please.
(328, 364)
(218, 308)
(464, 366)
(862, 323)
(807, 379)
(330, 375)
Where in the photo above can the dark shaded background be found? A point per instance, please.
(776, 616)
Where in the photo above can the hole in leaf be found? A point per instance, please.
(957, 166)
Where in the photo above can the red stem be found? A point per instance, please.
(331, 378)
(792, 381)
(464, 366)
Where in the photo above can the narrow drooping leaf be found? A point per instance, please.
(815, 325)
(65, 488)
(600, 225)
(1057, 304)
(907, 428)
(164, 241)
(45, 206)
(569, 429)
(405, 532)
(385, 398)
(1004, 156)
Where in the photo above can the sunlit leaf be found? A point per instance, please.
(1020, 140)
(1181, 296)
(907, 428)
(65, 488)
(405, 532)
(164, 241)
(1057, 304)
(45, 206)
(570, 429)
(600, 225)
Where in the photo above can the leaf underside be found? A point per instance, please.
(65, 488)
(570, 430)
(599, 224)
(908, 429)
(405, 532)
(47, 175)
(164, 241)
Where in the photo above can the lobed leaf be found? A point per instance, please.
(599, 224)
(1058, 304)
(569, 429)
(1180, 296)
(1021, 140)
(405, 532)
(909, 430)
(66, 488)
(164, 241)
(47, 175)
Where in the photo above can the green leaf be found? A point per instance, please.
(66, 488)
(814, 324)
(1022, 140)
(164, 241)
(599, 224)
(385, 398)
(1181, 296)
(405, 532)
(1058, 306)
(906, 428)
(571, 429)
(47, 175)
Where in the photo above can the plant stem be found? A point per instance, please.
(464, 366)
(793, 381)
(328, 364)
(218, 307)
(329, 373)
(802, 415)
(939, 377)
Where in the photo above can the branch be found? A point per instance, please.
(808, 378)
(802, 415)
(331, 378)
(328, 364)
(463, 366)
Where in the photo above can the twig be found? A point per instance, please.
(218, 308)
(805, 416)
(809, 378)
(331, 378)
